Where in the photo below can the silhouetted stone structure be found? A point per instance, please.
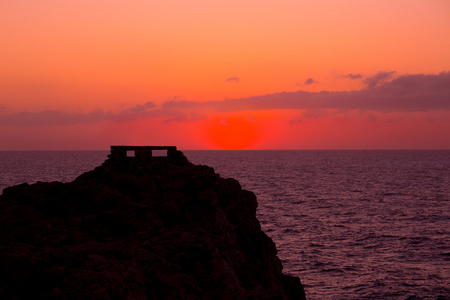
(138, 229)
(120, 152)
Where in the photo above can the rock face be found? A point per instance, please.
(156, 228)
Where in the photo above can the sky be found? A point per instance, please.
(234, 74)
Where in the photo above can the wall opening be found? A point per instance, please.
(131, 153)
(159, 153)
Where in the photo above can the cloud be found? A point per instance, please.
(417, 92)
(233, 79)
(379, 78)
(296, 121)
(142, 107)
(352, 76)
(383, 93)
(315, 113)
(52, 117)
(146, 110)
(182, 104)
(56, 117)
(309, 81)
(182, 117)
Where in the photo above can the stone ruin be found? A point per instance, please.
(140, 152)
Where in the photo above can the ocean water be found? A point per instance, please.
(350, 224)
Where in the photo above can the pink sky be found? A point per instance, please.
(225, 74)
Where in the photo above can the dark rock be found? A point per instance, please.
(138, 229)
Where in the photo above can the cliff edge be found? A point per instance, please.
(138, 228)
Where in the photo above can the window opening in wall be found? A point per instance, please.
(159, 153)
(130, 153)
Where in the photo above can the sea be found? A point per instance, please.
(351, 224)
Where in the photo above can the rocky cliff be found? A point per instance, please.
(149, 228)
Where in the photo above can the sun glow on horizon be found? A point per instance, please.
(232, 133)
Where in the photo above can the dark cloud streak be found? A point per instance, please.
(378, 79)
(233, 79)
(309, 81)
(353, 76)
(409, 93)
(55, 117)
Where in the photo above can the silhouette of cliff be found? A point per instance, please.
(138, 228)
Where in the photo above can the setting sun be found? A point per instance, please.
(233, 133)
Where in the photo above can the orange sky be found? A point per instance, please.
(282, 74)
